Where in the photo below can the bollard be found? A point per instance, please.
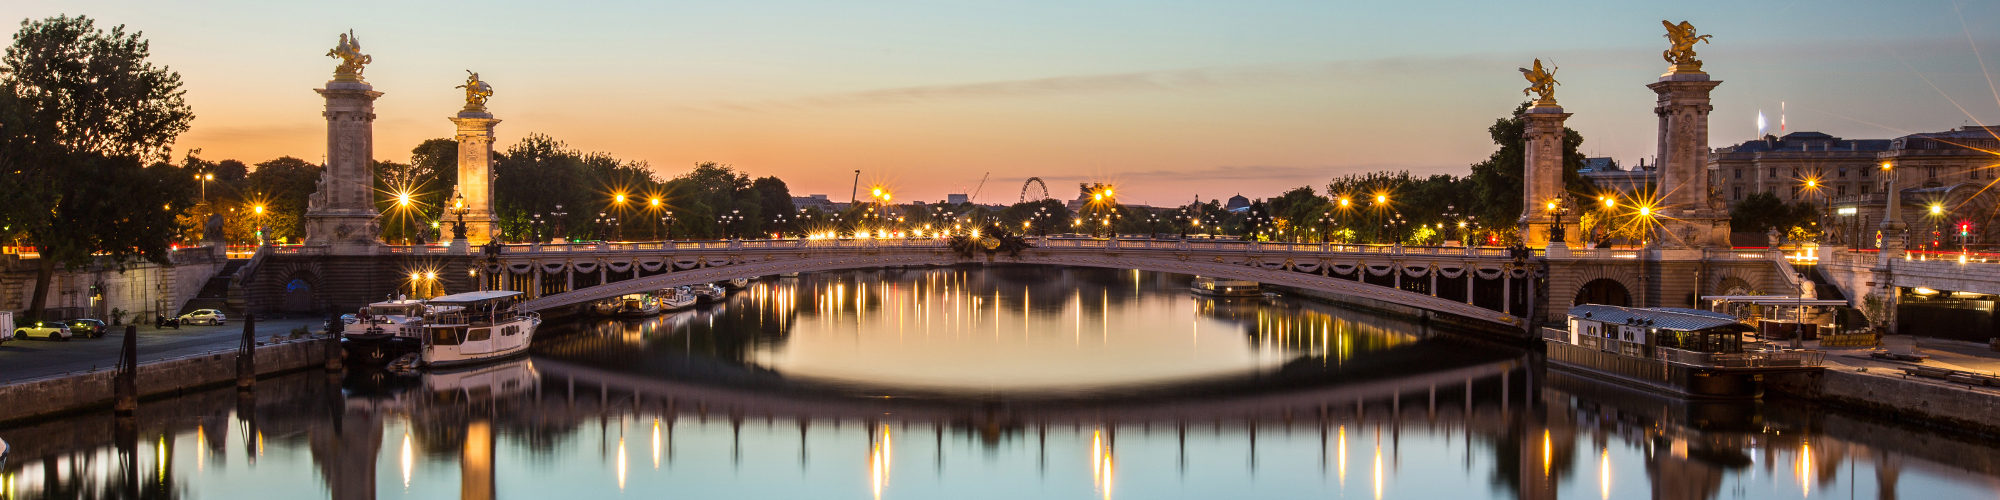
(246, 355)
(126, 383)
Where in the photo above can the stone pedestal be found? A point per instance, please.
(341, 213)
(475, 173)
(1690, 215)
(1542, 180)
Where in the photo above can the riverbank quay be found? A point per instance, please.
(73, 392)
(1855, 381)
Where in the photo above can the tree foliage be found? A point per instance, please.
(82, 112)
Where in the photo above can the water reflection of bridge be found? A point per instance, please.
(1536, 434)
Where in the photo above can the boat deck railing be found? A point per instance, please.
(1750, 359)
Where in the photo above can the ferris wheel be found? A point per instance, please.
(1031, 184)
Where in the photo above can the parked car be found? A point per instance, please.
(86, 327)
(55, 330)
(203, 317)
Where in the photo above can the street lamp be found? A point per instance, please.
(536, 225)
(667, 221)
(458, 209)
(558, 215)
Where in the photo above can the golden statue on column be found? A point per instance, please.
(1541, 82)
(476, 92)
(351, 58)
(1682, 37)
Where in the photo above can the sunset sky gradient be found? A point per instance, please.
(1169, 100)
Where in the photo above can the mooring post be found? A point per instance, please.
(126, 385)
(333, 350)
(246, 355)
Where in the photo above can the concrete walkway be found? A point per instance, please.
(32, 359)
(1947, 354)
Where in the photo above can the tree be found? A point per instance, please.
(1498, 181)
(286, 184)
(775, 199)
(85, 112)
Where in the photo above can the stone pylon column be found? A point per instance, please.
(1691, 217)
(341, 214)
(1542, 182)
(475, 173)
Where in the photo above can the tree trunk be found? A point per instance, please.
(45, 271)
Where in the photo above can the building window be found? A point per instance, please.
(1843, 172)
(1735, 193)
(1774, 172)
(1929, 172)
(1838, 189)
(1865, 172)
(1739, 175)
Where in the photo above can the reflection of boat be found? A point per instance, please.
(637, 305)
(1689, 352)
(710, 293)
(473, 327)
(493, 380)
(1215, 287)
(382, 331)
(677, 299)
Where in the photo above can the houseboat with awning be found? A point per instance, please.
(475, 327)
(1686, 352)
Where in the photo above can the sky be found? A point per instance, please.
(1168, 100)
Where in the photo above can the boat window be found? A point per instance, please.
(478, 334)
(444, 336)
(510, 331)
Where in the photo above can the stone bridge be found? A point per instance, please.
(1481, 284)
(1482, 287)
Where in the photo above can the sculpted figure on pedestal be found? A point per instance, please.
(1682, 38)
(1541, 82)
(476, 91)
(351, 58)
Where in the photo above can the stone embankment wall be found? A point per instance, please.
(167, 377)
(1957, 407)
(141, 288)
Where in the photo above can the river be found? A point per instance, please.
(1003, 382)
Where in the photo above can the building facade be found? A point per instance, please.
(1938, 179)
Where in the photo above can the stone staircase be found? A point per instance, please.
(217, 293)
(1822, 285)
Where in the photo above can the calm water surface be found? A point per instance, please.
(986, 383)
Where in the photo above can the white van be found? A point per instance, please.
(6, 325)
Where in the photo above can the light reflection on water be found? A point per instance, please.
(1414, 415)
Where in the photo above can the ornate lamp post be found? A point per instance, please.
(1557, 209)
(667, 222)
(1326, 227)
(458, 209)
(536, 224)
(558, 215)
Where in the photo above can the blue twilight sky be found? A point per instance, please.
(1168, 99)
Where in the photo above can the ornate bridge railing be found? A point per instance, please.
(1484, 284)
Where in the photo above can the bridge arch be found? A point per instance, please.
(1605, 291)
(1319, 271)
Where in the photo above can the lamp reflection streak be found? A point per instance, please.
(879, 455)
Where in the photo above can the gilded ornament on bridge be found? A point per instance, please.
(1541, 82)
(476, 92)
(1682, 37)
(351, 58)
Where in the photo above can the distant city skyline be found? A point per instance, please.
(1168, 102)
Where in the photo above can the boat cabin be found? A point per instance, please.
(1225, 287)
(409, 308)
(1616, 329)
(473, 308)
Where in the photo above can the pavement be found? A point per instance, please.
(32, 359)
(1976, 357)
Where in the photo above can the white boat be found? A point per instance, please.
(710, 293)
(474, 327)
(637, 305)
(677, 298)
(738, 283)
(382, 331)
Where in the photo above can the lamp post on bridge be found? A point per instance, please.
(536, 224)
(667, 222)
(558, 215)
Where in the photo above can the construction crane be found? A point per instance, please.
(975, 191)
